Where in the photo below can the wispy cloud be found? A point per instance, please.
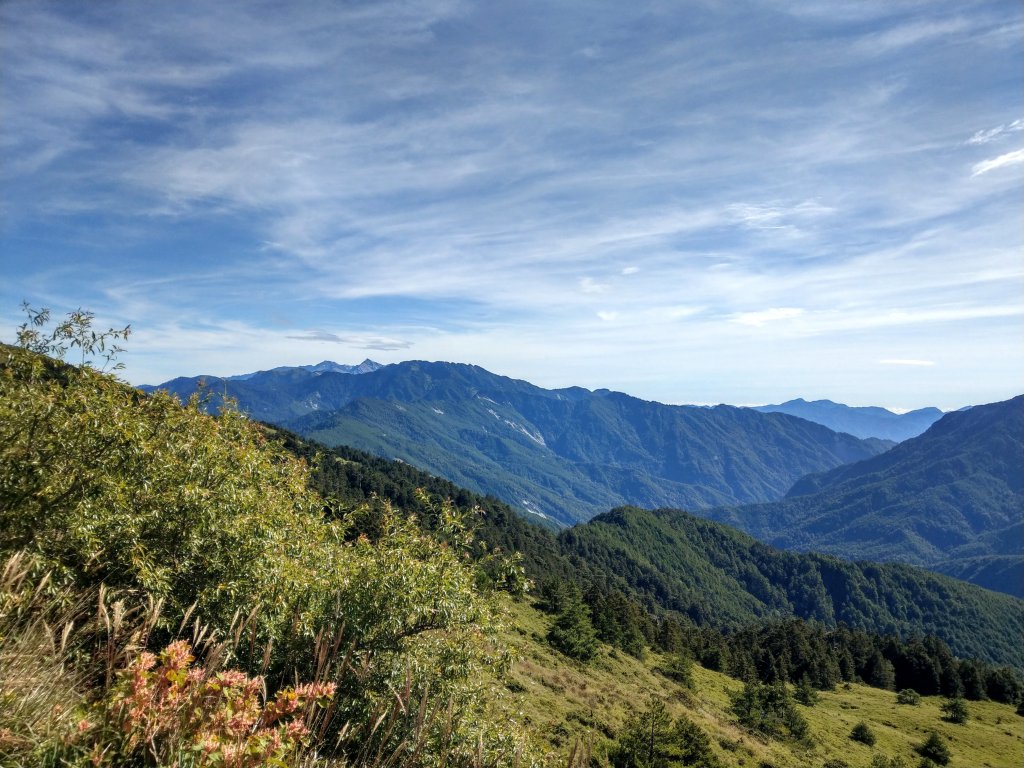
(652, 184)
(906, 361)
(1010, 158)
(989, 135)
(359, 342)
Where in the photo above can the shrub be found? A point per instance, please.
(652, 739)
(163, 708)
(908, 696)
(881, 761)
(102, 484)
(862, 733)
(934, 748)
(572, 633)
(805, 693)
(955, 710)
(680, 669)
(835, 763)
(768, 710)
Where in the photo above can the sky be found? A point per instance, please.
(692, 202)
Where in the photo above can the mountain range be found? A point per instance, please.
(948, 499)
(564, 455)
(951, 499)
(859, 421)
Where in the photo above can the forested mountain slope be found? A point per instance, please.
(711, 573)
(952, 499)
(563, 454)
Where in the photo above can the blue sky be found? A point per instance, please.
(690, 202)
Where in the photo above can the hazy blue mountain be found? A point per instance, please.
(858, 421)
(951, 498)
(566, 454)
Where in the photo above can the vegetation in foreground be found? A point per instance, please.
(179, 526)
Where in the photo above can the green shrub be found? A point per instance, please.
(680, 669)
(862, 733)
(572, 633)
(653, 739)
(768, 710)
(805, 693)
(955, 710)
(102, 484)
(934, 748)
(908, 696)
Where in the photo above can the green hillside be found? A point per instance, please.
(589, 705)
(710, 573)
(952, 499)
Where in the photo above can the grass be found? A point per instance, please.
(565, 702)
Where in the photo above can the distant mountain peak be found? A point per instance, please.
(324, 366)
(860, 421)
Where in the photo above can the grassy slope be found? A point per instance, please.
(563, 701)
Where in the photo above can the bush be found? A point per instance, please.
(934, 748)
(652, 739)
(102, 484)
(572, 633)
(908, 696)
(863, 734)
(768, 710)
(680, 669)
(835, 763)
(955, 710)
(163, 708)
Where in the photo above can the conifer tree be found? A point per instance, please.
(572, 632)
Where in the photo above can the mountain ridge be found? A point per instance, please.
(859, 421)
(952, 495)
(566, 454)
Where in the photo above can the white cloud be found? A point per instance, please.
(1000, 131)
(906, 361)
(1010, 158)
(764, 316)
(590, 285)
(376, 153)
(912, 33)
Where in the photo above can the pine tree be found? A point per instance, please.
(572, 632)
